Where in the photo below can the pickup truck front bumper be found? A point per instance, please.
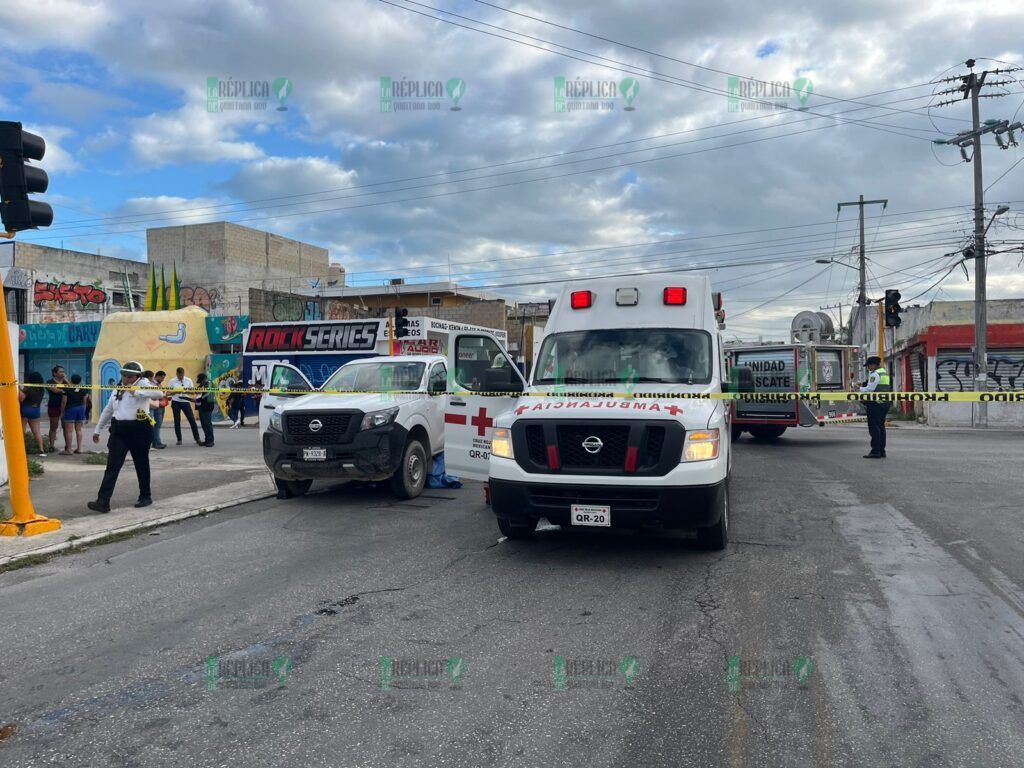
(687, 507)
(373, 454)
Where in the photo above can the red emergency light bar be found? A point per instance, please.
(675, 296)
(581, 299)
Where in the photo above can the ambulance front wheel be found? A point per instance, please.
(717, 536)
(512, 530)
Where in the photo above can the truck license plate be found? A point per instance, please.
(831, 414)
(590, 514)
(314, 454)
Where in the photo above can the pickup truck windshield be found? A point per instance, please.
(377, 377)
(625, 356)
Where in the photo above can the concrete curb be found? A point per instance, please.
(69, 544)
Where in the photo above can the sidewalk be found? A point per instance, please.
(187, 480)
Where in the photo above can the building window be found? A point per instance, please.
(17, 305)
(435, 301)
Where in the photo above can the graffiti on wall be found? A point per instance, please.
(954, 371)
(198, 296)
(68, 293)
(294, 308)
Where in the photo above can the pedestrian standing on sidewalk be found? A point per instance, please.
(878, 381)
(181, 402)
(31, 400)
(74, 414)
(55, 403)
(236, 407)
(131, 431)
(157, 411)
(206, 401)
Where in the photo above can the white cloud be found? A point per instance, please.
(190, 135)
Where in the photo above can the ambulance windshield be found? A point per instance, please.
(625, 356)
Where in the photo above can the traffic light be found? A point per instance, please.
(892, 308)
(401, 323)
(18, 180)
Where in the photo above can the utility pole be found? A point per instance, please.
(970, 87)
(862, 299)
(838, 306)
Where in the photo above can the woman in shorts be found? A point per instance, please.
(31, 399)
(73, 417)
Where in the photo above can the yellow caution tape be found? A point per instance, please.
(761, 397)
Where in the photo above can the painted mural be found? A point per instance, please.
(202, 297)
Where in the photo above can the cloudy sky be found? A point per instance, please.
(507, 191)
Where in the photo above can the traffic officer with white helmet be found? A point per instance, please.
(878, 381)
(131, 431)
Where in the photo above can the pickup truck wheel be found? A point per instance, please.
(717, 536)
(411, 475)
(512, 530)
(289, 489)
(767, 433)
(737, 430)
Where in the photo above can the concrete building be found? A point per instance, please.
(401, 294)
(59, 297)
(219, 262)
(933, 350)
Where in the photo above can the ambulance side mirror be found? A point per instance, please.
(742, 379)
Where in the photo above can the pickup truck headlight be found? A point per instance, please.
(701, 445)
(378, 418)
(275, 421)
(501, 443)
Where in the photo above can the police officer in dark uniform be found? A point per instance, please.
(878, 381)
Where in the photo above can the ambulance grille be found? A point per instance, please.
(613, 437)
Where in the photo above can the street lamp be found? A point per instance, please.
(833, 261)
(999, 212)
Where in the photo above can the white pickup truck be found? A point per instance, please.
(392, 433)
(565, 449)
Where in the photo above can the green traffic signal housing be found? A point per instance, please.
(18, 180)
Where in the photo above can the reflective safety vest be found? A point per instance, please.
(884, 382)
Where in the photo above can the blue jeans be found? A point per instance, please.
(158, 416)
(206, 419)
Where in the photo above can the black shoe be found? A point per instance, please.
(873, 456)
(159, 447)
(178, 443)
(98, 506)
(882, 454)
(144, 501)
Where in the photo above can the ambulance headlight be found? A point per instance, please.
(275, 421)
(378, 418)
(501, 443)
(701, 445)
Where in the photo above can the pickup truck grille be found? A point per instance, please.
(334, 428)
(626, 447)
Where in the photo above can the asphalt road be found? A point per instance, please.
(867, 613)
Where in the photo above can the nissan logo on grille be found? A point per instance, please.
(592, 444)
(316, 425)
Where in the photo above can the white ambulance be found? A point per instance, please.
(565, 448)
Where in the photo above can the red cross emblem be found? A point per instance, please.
(674, 409)
(481, 421)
